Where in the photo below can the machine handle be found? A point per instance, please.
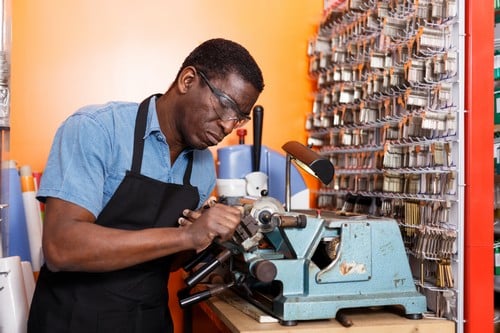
(197, 259)
(207, 268)
(258, 117)
(202, 295)
(286, 221)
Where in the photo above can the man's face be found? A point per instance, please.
(217, 107)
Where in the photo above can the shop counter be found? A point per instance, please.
(231, 318)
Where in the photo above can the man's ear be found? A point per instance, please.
(186, 79)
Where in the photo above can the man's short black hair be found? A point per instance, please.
(220, 57)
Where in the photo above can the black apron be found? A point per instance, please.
(130, 300)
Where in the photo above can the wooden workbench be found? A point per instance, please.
(374, 320)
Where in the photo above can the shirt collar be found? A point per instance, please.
(153, 124)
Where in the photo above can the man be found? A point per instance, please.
(119, 178)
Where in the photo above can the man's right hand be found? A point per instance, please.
(213, 220)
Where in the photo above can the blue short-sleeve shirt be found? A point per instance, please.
(92, 150)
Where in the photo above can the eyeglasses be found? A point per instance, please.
(230, 110)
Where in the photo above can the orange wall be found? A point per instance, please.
(66, 54)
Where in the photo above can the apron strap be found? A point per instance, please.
(187, 174)
(140, 129)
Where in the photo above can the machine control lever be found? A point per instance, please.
(198, 259)
(287, 221)
(258, 117)
(203, 295)
(209, 267)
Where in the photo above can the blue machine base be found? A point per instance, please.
(370, 269)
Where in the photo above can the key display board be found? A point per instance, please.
(388, 112)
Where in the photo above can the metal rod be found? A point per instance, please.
(288, 190)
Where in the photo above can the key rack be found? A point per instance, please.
(387, 112)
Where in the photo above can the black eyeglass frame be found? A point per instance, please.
(242, 117)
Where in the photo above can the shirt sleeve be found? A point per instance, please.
(76, 164)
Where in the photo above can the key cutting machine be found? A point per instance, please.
(308, 264)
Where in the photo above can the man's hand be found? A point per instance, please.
(213, 220)
(190, 216)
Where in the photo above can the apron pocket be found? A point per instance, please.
(137, 321)
(154, 321)
(116, 322)
(83, 319)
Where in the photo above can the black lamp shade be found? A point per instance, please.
(310, 161)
